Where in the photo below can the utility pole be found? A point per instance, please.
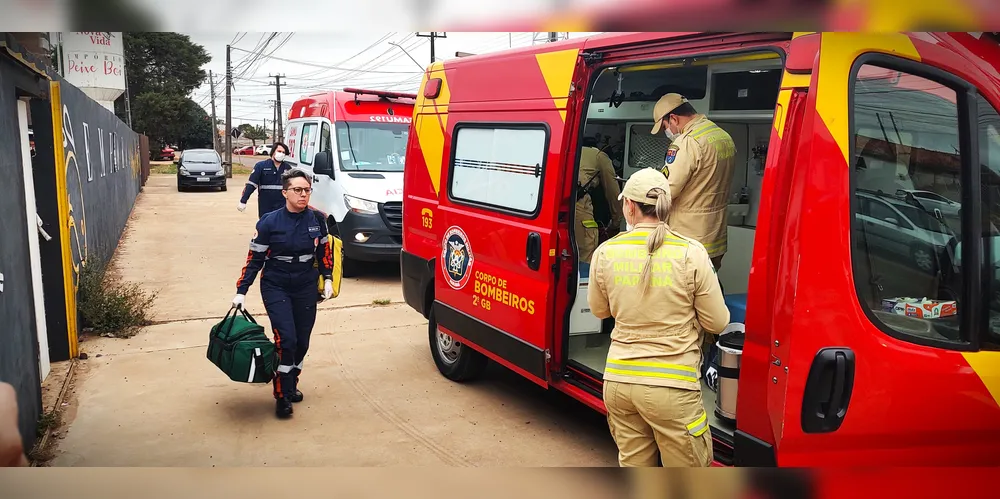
(215, 126)
(229, 113)
(280, 122)
(433, 35)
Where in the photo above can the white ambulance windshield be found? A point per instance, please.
(372, 147)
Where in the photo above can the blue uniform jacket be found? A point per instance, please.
(286, 245)
(267, 178)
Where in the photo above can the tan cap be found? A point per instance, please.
(639, 185)
(663, 106)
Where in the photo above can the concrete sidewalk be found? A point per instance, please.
(372, 394)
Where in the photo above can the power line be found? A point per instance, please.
(303, 63)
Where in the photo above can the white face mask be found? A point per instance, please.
(628, 225)
(670, 135)
(279, 156)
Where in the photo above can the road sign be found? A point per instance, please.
(236, 133)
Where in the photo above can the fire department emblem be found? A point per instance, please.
(456, 257)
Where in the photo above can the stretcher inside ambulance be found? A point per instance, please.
(860, 322)
(353, 141)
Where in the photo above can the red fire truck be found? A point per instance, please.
(864, 255)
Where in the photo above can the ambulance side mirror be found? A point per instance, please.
(323, 163)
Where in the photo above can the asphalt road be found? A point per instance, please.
(372, 394)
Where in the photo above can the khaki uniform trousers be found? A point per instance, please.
(650, 422)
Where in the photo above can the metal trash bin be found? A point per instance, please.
(730, 346)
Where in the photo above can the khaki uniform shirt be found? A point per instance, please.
(594, 162)
(658, 336)
(699, 166)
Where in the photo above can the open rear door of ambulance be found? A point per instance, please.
(883, 350)
(499, 202)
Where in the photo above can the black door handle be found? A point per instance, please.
(533, 252)
(828, 390)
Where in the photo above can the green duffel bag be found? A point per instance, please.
(239, 347)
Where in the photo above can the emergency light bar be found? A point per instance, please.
(380, 93)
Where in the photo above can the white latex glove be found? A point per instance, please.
(327, 290)
(241, 206)
(238, 301)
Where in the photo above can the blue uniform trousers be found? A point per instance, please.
(291, 308)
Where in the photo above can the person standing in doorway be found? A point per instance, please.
(266, 177)
(662, 291)
(597, 174)
(699, 166)
(285, 245)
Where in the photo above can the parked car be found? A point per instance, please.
(897, 227)
(930, 201)
(247, 150)
(165, 153)
(263, 150)
(200, 168)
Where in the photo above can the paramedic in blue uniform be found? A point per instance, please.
(266, 177)
(285, 245)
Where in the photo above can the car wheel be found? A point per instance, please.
(454, 360)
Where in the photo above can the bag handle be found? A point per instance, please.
(242, 311)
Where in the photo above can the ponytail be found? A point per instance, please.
(661, 209)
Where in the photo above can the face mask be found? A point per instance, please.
(670, 135)
(279, 156)
(628, 225)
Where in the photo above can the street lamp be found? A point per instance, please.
(408, 55)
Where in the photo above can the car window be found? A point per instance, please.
(989, 158)
(905, 136)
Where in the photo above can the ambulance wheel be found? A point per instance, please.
(456, 361)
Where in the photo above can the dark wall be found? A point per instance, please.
(103, 171)
(18, 336)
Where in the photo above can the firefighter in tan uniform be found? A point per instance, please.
(596, 172)
(699, 166)
(663, 293)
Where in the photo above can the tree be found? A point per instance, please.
(254, 133)
(170, 119)
(163, 63)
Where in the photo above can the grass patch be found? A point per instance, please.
(110, 306)
(381, 301)
(171, 169)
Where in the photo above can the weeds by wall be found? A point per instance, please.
(111, 306)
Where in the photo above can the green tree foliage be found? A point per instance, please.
(254, 133)
(163, 69)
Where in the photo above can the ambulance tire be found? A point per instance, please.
(467, 363)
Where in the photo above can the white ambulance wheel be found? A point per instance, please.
(456, 361)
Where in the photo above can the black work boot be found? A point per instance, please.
(296, 395)
(283, 403)
(283, 407)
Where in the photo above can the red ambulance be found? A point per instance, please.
(864, 256)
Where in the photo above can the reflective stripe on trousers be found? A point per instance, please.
(644, 369)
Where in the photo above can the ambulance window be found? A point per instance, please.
(499, 168)
(307, 141)
(324, 139)
(989, 157)
(907, 171)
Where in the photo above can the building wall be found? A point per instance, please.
(18, 333)
(103, 167)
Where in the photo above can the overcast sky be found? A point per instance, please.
(327, 61)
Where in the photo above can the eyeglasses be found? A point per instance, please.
(300, 190)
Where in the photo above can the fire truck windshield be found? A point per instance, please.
(373, 147)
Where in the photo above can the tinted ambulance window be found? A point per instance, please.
(324, 139)
(989, 157)
(500, 168)
(906, 169)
